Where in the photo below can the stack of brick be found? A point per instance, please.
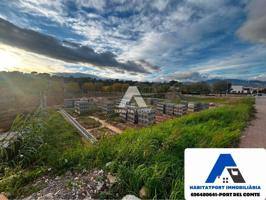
(123, 114)
(160, 107)
(194, 107)
(132, 114)
(185, 103)
(82, 106)
(204, 106)
(180, 109)
(169, 108)
(69, 103)
(107, 107)
(146, 116)
(152, 101)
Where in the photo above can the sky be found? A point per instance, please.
(143, 40)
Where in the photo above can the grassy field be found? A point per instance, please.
(152, 157)
(208, 99)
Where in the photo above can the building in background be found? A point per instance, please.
(240, 89)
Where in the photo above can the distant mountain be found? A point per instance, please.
(251, 83)
(78, 75)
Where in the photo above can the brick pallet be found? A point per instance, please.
(194, 107)
(107, 108)
(160, 107)
(82, 106)
(169, 108)
(132, 115)
(69, 103)
(146, 116)
(123, 114)
(180, 110)
(204, 106)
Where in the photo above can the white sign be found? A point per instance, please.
(225, 173)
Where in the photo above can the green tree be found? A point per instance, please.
(221, 87)
(72, 87)
(88, 86)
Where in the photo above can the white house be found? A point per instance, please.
(237, 89)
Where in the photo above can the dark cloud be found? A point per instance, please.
(64, 50)
(254, 29)
(149, 65)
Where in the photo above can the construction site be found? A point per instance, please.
(98, 116)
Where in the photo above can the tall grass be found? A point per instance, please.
(46, 141)
(152, 157)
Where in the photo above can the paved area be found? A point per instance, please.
(255, 133)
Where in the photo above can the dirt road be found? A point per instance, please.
(255, 133)
(107, 125)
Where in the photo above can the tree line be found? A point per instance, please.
(57, 86)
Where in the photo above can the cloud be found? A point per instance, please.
(188, 35)
(160, 4)
(190, 76)
(49, 9)
(261, 77)
(247, 58)
(96, 4)
(62, 50)
(254, 29)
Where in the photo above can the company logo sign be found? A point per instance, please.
(225, 174)
(225, 161)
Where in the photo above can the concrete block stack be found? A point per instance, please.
(82, 106)
(152, 101)
(146, 116)
(204, 106)
(108, 107)
(160, 107)
(123, 114)
(194, 107)
(132, 114)
(185, 103)
(180, 109)
(69, 103)
(169, 108)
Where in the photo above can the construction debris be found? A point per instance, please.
(85, 185)
(130, 197)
